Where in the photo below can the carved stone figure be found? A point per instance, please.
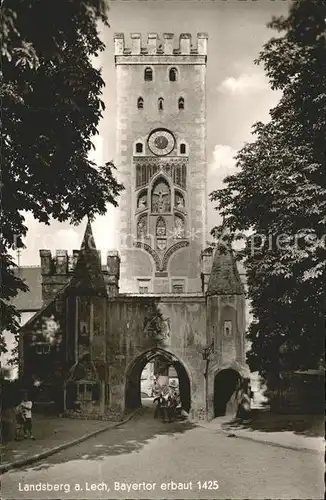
(179, 228)
(142, 201)
(161, 198)
(141, 227)
(161, 243)
(160, 227)
(179, 201)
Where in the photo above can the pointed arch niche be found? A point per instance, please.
(161, 196)
(179, 200)
(160, 230)
(179, 227)
(142, 227)
(142, 200)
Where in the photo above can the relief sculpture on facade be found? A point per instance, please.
(160, 227)
(142, 201)
(179, 201)
(161, 198)
(179, 227)
(142, 227)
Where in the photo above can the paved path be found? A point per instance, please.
(155, 458)
(288, 439)
(50, 432)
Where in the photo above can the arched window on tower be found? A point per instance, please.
(183, 149)
(181, 103)
(139, 147)
(173, 74)
(140, 103)
(160, 103)
(148, 74)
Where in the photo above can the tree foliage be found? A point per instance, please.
(51, 106)
(276, 201)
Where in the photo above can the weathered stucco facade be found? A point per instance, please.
(89, 344)
(164, 294)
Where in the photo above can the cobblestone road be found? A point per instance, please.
(168, 461)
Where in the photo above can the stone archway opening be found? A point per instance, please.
(162, 361)
(226, 384)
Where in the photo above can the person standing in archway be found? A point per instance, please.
(158, 409)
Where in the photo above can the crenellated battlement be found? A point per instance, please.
(163, 45)
(58, 270)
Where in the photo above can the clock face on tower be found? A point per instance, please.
(161, 142)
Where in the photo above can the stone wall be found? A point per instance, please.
(127, 340)
(188, 125)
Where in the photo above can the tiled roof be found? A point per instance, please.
(87, 277)
(31, 300)
(224, 278)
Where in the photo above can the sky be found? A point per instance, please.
(238, 95)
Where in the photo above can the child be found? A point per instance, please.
(26, 408)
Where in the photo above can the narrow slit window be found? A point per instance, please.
(181, 103)
(140, 103)
(160, 104)
(183, 149)
(148, 74)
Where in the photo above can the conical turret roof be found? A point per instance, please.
(224, 278)
(88, 276)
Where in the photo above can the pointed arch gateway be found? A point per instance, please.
(226, 385)
(134, 371)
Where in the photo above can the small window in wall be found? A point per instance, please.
(160, 104)
(178, 286)
(85, 391)
(173, 74)
(42, 347)
(148, 74)
(183, 149)
(143, 286)
(227, 329)
(140, 103)
(139, 147)
(181, 103)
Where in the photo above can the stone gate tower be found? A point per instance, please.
(161, 158)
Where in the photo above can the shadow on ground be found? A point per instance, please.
(129, 438)
(305, 425)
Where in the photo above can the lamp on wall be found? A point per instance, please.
(206, 352)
